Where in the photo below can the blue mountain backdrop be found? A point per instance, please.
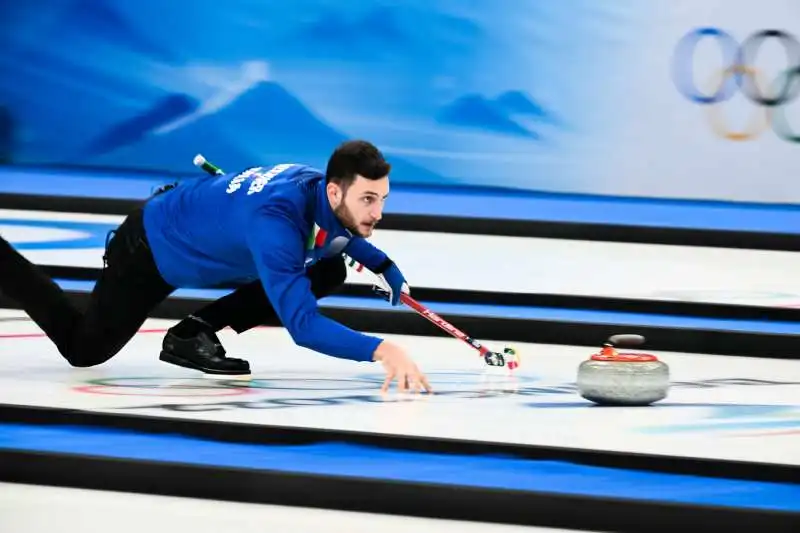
(496, 115)
(264, 125)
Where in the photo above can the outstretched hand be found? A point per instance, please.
(399, 366)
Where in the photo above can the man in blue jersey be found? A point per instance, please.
(278, 233)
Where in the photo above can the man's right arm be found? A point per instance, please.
(277, 247)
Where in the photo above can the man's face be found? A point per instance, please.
(360, 207)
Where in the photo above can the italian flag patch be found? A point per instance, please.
(354, 264)
(316, 238)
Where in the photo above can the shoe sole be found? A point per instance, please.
(179, 361)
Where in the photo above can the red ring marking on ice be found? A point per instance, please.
(39, 335)
(625, 357)
(108, 390)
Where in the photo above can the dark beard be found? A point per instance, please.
(346, 218)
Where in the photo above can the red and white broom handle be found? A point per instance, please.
(436, 319)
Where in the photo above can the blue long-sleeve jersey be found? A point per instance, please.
(269, 223)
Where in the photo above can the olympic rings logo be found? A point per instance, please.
(739, 75)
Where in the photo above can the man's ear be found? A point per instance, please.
(334, 193)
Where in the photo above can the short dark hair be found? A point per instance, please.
(356, 157)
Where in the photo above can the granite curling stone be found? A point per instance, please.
(615, 378)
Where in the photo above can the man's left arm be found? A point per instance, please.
(381, 264)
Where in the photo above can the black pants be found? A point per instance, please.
(128, 289)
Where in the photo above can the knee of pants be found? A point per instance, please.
(327, 276)
(86, 353)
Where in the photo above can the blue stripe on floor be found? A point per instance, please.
(339, 459)
(56, 182)
(586, 316)
(520, 312)
(596, 210)
(460, 202)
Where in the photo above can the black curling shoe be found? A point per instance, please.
(202, 352)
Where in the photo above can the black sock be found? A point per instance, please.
(191, 326)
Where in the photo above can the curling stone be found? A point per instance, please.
(616, 378)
